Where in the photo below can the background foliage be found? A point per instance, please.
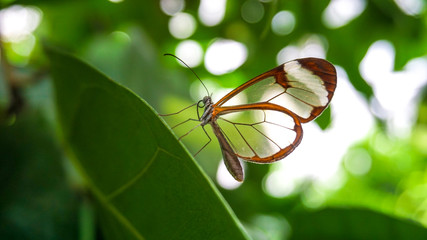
(45, 197)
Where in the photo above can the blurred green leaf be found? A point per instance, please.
(335, 223)
(36, 201)
(147, 185)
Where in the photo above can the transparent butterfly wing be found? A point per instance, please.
(303, 86)
(266, 125)
(261, 133)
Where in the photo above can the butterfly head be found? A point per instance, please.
(207, 101)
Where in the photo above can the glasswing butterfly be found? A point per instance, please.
(266, 126)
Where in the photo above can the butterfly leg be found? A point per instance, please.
(210, 139)
(198, 125)
(171, 114)
(190, 119)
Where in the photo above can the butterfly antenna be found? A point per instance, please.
(169, 54)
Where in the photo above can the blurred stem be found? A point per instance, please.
(271, 12)
(16, 99)
(87, 220)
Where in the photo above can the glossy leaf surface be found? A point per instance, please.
(147, 185)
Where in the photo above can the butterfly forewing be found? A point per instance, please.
(304, 86)
(260, 91)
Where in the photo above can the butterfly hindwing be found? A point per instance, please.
(261, 133)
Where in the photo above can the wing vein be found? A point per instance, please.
(240, 133)
(276, 96)
(226, 136)
(266, 137)
(299, 99)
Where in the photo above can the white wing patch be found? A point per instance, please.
(305, 86)
(288, 101)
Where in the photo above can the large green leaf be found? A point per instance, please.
(147, 185)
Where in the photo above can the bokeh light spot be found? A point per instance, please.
(311, 46)
(283, 23)
(198, 91)
(377, 68)
(182, 25)
(252, 11)
(279, 185)
(211, 12)
(272, 226)
(313, 198)
(357, 161)
(411, 7)
(25, 46)
(172, 7)
(190, 52)
(17, 22)
(121, 37)
(224, 179)
(340, 12)
(224, 56)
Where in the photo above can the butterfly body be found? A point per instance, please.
(208, 110)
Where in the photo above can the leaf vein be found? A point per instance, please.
(134, 179)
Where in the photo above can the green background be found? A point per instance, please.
(84, 155)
